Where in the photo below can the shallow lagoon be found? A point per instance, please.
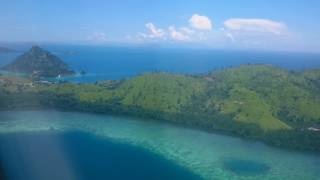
(186, 151)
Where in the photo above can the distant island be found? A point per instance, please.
(260, 102)
(39, 62)
(6, 50)
(83, 72)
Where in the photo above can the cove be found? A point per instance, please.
(101, 146)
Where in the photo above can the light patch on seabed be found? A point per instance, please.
(203, 153)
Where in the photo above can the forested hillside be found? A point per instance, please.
(255, 101)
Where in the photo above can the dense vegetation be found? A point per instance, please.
(254, 101)
(40, 62)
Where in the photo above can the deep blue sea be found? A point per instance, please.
(78, 155)
(111, 62)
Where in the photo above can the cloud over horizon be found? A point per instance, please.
(182, 35)
(273, 24)
(234, 32)
(256, 25)
(97, 37)
(197, 24)
(154, 32)
(200, 22)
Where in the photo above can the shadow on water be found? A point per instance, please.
(77, 155)
(2, 174)
(245, 167)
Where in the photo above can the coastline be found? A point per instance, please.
(181, 100)
(183, 125)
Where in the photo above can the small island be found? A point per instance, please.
(83, 72)
(6, 50)
(39, 62)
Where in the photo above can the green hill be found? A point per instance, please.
(255, 101)
(266, 94)
(39, 61)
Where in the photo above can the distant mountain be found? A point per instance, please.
(40, 62)
(6, 50)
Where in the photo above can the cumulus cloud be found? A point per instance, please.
(179, 35)
(235, 32)
(187, 30)
(194, 32)
(97, 37)
(256, 25)
(153, 31)
(230, 36)
(171, 33)
(200, 22)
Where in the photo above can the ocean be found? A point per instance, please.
(78, 155)
(115, 62)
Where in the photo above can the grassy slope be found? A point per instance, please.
(271, 97)
(160, 92)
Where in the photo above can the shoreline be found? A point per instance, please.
(181, 125)
(212, 102)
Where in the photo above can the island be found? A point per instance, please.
(6, 50)
(83, 72)
(259, 102)
(39, 62)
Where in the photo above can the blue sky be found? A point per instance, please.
(247, 24)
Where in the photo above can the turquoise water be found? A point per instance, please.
(202, 154)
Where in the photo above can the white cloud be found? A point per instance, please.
(97, 37)
(187, 30)
(179, 35)
(200, 22)
(256, 25)
(171, 33)
(230, 36)
(154, 32)
(196, 33)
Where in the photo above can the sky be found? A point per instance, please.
(289, 25)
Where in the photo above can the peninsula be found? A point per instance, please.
(259, 102)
